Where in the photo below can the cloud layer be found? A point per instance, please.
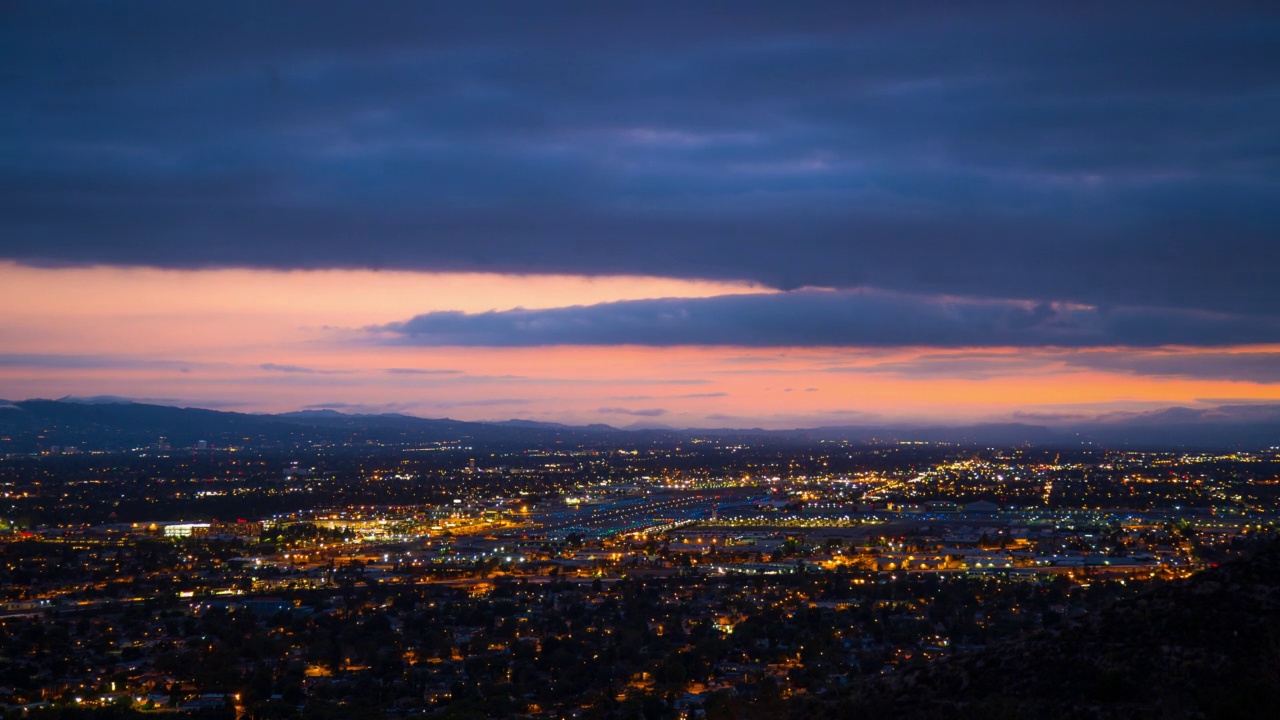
(1092, 153)
(833, 318)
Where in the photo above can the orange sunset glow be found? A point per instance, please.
(268, 341)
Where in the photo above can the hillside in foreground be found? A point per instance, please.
(1207, 647)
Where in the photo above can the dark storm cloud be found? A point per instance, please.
(831, 318)
(1115, 154)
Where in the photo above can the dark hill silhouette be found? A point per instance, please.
(106, 423)
(1206, 647)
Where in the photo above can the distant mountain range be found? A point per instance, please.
(31, 425)
(108, 423)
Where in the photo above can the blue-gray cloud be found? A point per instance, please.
(299, 369)
(420, 371)
(1259, 367)
(92, 362)
(643, 412)
(832, 318)
(1107, 154)
(1249, 366)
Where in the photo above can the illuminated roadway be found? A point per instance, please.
(634, 514)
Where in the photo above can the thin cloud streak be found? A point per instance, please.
(299, 369)
(1256, 367)
(642, 412)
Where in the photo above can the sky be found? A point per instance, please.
(712, 214)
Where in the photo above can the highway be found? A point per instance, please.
(632, 514)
